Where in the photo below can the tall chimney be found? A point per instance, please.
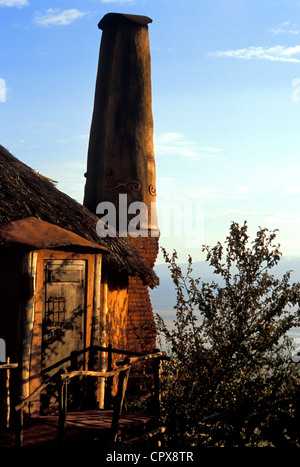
(121, 152)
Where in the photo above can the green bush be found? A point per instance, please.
(230, 381)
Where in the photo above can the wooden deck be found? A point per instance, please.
(86, 428)
(104, 428)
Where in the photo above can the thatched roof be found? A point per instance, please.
(24, 193)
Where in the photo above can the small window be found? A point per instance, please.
(56, 310)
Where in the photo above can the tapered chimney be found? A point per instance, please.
(121, 153)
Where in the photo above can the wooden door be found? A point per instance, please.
(64, 313)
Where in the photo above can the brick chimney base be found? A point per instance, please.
(141, 335)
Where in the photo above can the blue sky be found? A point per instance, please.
(226, 107)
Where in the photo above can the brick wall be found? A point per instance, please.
(140, 321)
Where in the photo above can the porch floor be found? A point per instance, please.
(84, 428)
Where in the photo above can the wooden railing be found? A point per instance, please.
(64, 377)
(123, 371)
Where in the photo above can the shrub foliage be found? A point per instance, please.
(231, 381)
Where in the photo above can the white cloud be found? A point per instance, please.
(12, 3)
(169, 191)
(211, 193)
(168, 137)
(277, 53)
(284, 31)
(271, 219)
(210, 149)
(55, 17)
(285, 28)
(2, 90)
(174, 144)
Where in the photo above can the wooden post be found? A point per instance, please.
(75, 387)
(156, 381)
(27, 319)
(19, 420)
(103, 344)
(95, 360)
(7, 394)
(109, 382)
(62, 421)
(122, 385)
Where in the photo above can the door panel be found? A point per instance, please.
(64, 311)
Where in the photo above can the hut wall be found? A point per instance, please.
(117, 309)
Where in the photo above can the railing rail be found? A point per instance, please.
(8, 366)
(64, 376)
(96, 374)
(109, 350)
(37, 391)
(123, 371)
